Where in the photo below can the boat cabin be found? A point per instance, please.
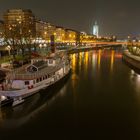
(37, 72)
(36, 66)
(52, 61)
(34, 60)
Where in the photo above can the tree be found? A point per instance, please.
(10, 38)
(20, 37)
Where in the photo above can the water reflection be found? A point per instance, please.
(14, 117)
(135, 80)
(112, 60)
(80, 59)
(99, 58)
(73, 61)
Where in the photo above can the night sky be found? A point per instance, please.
(115, 17)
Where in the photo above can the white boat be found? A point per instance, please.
(5, 101)
(17, 101)
(40, 74)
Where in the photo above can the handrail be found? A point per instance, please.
(48, 70)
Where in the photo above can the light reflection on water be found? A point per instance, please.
(99, 59)
(112, 60)
(14, 117)
(135, 80)
(94, 57)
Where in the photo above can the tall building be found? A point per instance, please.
(50, 30)
(60, 34)
(71, 36)
(1, 33)
(96, 29)
(1, 28)
(23, 21)
(40, 28)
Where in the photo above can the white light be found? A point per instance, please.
(40, 45)
(132, 72)
(3, 98)
(45, 45)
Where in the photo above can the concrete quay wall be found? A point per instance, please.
(131, 59)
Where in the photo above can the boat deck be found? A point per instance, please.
(22, 74)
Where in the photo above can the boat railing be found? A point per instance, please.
(32, 75)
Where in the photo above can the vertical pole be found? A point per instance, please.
(0, 101)
(52, 44)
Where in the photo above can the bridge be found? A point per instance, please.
(106, 43)
(111, 43)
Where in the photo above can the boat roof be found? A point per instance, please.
(25, 75)
(39, 65)
(43, 69)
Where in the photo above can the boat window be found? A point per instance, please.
(50, 61)
(32, 69)
(26, 82)
(40, 79)
(37, 80)
(49, 75)
(46, 76)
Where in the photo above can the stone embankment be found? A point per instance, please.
(131, 59)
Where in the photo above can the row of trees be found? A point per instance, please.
(20, 38)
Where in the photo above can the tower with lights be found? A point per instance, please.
(96, 29)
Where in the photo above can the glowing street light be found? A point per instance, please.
(8, 48)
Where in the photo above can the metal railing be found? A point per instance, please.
(17, 74)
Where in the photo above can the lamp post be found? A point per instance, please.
(40, 47)
(8, 48)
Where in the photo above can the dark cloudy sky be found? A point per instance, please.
(118, 17)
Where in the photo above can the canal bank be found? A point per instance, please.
(89, 48)
(82, 49)
(131, 60)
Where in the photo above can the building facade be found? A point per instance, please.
(40, 29)
(71, 36)
(1, 33)
(1, 28)
(49, 30)
(20, 21)
(22, 24)
(60, 34)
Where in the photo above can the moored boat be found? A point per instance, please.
(5, 101)
(40, 74)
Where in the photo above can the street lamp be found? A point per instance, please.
(8, 48)
(45, 45)
(40, 46)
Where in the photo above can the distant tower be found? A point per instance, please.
(96, 29)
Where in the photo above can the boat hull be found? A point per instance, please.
(25, 93)
(6, 102)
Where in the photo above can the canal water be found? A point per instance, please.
(100, 99)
